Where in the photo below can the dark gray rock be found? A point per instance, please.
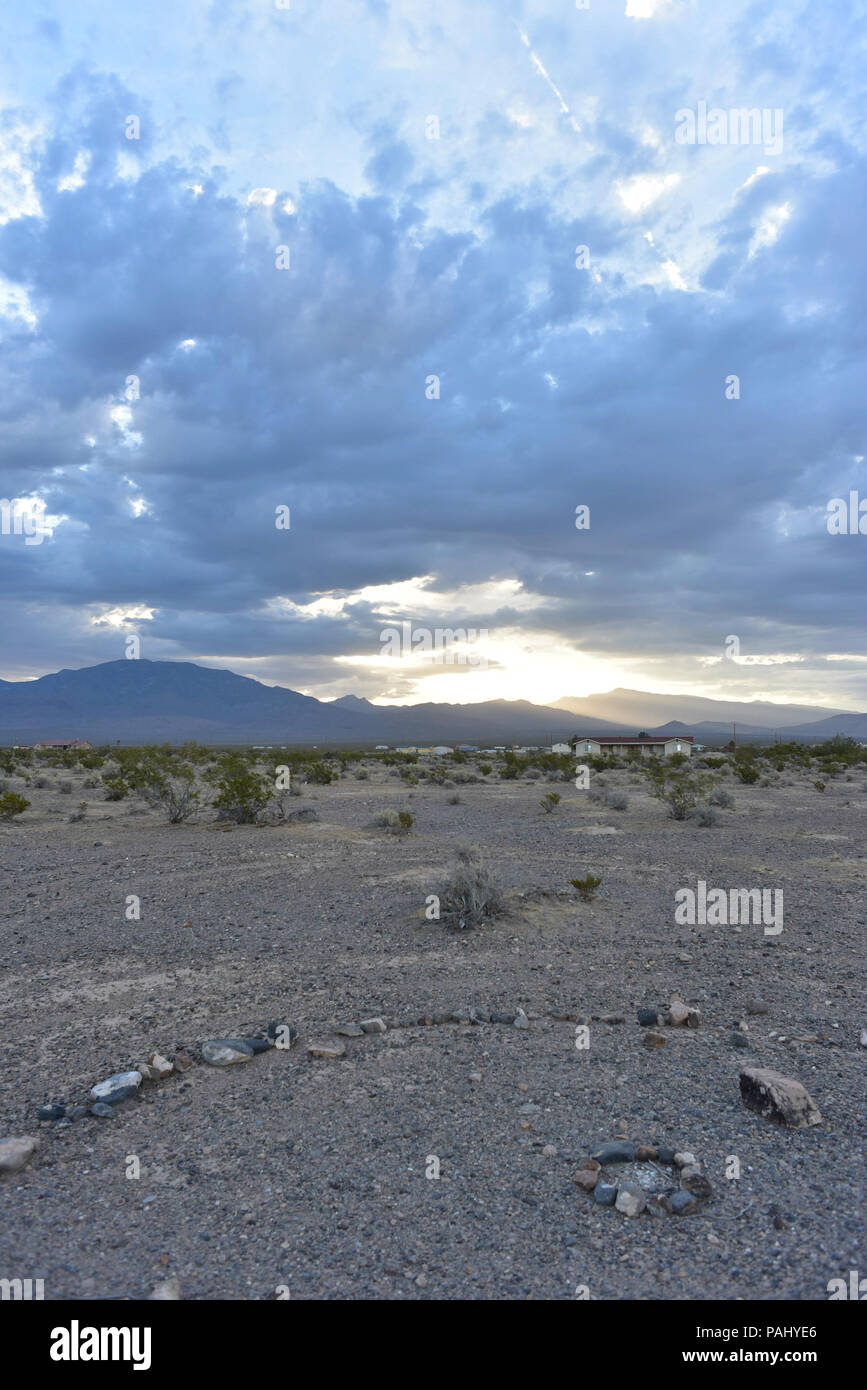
(605, 1193)
(504, 1017)
(664, 1153)
(621, 1151)
(739, 1040)
(648, 1018)
(54, 1111)
(681, 1203)
(103, 1111)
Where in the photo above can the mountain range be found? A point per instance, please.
(139, 701)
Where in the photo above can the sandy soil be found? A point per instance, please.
(311, 1174)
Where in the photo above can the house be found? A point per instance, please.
(78, 745)
(467, 748)
(560, 748)
(382, 748)
(622, 745)
(440, 750)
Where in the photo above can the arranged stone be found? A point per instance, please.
(691, 1180)
(685, 1160)
(653, 1040)
(256, 1044)
(680, 1203)
(778, 1098)
(631, 1199)
(479, 1016)
(51, 1112)
(183, 1061)
(693, 1018)
(678, 1013)
(739, 1040)
(161, 1065)
(605, 1193)
(326, 1051)
(16, 1153)
(521, 1020)
(350, 1030)
(103, 1111)
(226, 1052)
(664, 1154)
(76, 1112)
(621, 1151)
(146, 1072)
(648, 1018)
(612, 1018)
(116, 1088)
(503, 1017)
(757, 1006)
(373, 1025)
(587, 1178)
(646, 1153)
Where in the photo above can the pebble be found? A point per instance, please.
(183, 1061)
(16, 1153)
(622, 1151)
(479, 1016)
(648, 1018)
(664, 1154)
(685, 1160)
(521, 1021)
(653, 1040)
(678, 1013)
(146, 1072)
(373, 1025)
(503, 1018)
(103, 1111)
(51, 1112)
(116, 1088)
(475, 1076)
(605, 1193)
(587, 1179)
(226, 1052)
(328, 1052)
(350, 1030)
(161, 1065)
(691, 1180)
(612, 1018)
(645, 1152)
(757, 1006)
(167, 1291)
(739, 1040)
(864, 1037)
(631, 1200)
(549, 1151)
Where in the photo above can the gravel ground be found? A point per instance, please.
(311, 1174)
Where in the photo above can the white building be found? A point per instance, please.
(560, 748)
(596, 745)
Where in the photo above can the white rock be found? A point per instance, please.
(686, 1160)
(631, 1200)
(16, 1153)
(326, 1050)
(373, 1025)
(161, 1065)
(678, 1013)
(113, 1087)
(168, 1291)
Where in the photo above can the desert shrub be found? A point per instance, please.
(12, 804)
(820, 786)
(706, 816)
(454, 800)
(91, 783)
(485, 769)
(720, 797)
(532, 774)
(169, 785)
(616, 801)
(362, 775)
(319, 772)
(549, 801)
(65, 788)
(471, 895)
(437, 774)
(680, 788)
(4, 785)
(41, 782)
(713, 763)
(80, 813)
(587, 886)
(394, 822)
(115, 787)
(745, 767)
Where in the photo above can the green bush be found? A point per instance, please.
(115, 787)
(11, 804)
(549, 801)
(587, 886)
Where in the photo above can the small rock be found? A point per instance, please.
(586, 1179)
(503, 1018)
(739, 1040)
(549, 1151)
(327, 1052)
(15, 1154)
(864, 1037)
(691, 1180)
(631, 1200)
(167, 1291)
(350, 1030)
(51, 1112)
(521, 1021)
(183, 1061)
(653, 1040)
(645, 1152)
(589, 1165)
(116, 1088)
(778, 1098)
(757, 1006)
(680, 1203)
(479, 1016)
(76, 1112)
(226, 1052)
(373, 1025)
(693, 1018)
(605, 1193)
(146, 1072)
(685, 1160)
(186, 924)
(648, 1018)
(621, 1151)
(161, 1065)
(475, 1076)
(612, 1018)
(664, 1154)
(678, 1013)
(103, 1111)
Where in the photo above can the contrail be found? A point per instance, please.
(540, 68)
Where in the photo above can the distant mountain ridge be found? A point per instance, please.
(143, 701)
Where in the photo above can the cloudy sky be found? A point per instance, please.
(327, 255)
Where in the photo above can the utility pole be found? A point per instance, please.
(735, 734)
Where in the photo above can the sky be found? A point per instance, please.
(324, 317)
